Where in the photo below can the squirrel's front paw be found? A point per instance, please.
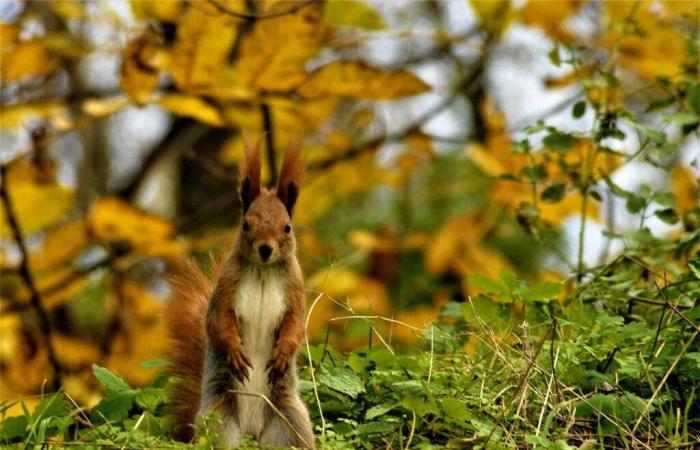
(280, 362)
(239, 363)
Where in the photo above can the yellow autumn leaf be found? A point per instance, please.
(458, 245)
(657, 49)
(192, 106)
(59, 245)
(37, 201)
(112, 219)
(274, 54)
(166, 11)
(27, 59)
(140, 72)
(570, 205)
(685, 185)
(355, 13)
(494, 15)
(74, 353)
(355, 79)
(551, 16)
(54, 112)
(100, 107)
(204, 39)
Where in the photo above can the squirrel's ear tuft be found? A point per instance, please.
(291, 175)
(250, 171)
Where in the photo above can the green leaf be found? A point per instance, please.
(343, 381)
(378, 410)
(484, 309)
(553, 193)
(664, 199)
(543, 291)
(113, 382)
(508, 278)
(682, 118)
(667, 215)
(521, 146)
(114, 407)
(554, 56)
(579, 109)
(455, 408)
(13, 429)
(694, 97)
(556, 140)
(486, 284)
(635, 203)
(534, 173)
(150, 398)
(53, 405)
(154, 363)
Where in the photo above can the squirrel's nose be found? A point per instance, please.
(265, 251)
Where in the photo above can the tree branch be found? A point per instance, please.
(183, 134)
(35, 297)
(252, 17)
(270, 141)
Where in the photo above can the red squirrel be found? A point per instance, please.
(241, 335)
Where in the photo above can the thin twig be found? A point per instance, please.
(35, 297)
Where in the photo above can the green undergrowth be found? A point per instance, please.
(612, 362)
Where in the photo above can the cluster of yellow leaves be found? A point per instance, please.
(23, 59)
(37, 199)
(113, 220)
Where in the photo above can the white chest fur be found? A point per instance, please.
(260, 305)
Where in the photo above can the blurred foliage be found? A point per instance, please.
(454, 247)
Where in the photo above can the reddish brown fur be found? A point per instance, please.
(291, 176)
(189, 315)
(184, 315)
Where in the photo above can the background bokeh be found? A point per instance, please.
(121, 137)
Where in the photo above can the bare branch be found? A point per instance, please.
(270, 141)
(252, 17)
(35, 297)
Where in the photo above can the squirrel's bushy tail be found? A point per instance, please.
(185, 315)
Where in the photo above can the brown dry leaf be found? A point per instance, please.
(37, 202)
(192, 106)
(27, 59)
(140, 71)
(274, 55)
(494, 15)
(204, 39)
(355, 79)
(551, 16)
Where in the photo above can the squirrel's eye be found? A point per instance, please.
(246, 226)
(288, 228)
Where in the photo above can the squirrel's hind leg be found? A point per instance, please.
(278, 433)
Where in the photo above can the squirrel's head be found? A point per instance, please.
(266, 235)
